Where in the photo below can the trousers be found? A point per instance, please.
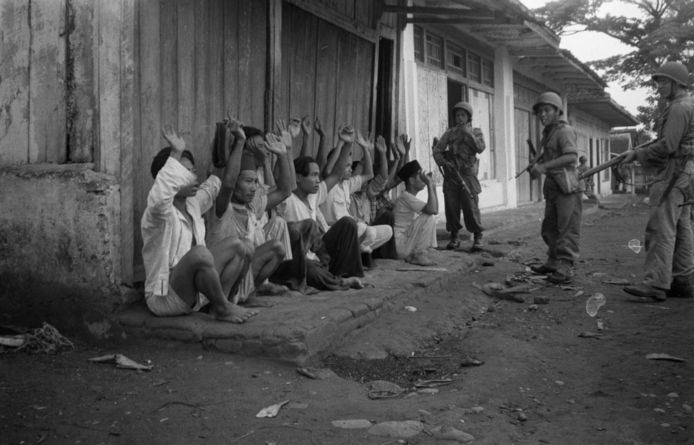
(455, 200)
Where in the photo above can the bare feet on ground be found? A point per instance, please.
(234, 313)
(420, 259)
(353, 282)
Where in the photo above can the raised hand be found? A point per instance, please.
(435, 143)
(406, 142)
(294, 127)
(175, 141)
(427, 177)
(275, 145)
(236, 128)
(361, 140)
(319, 128)
(381, 144)
(346, 134)
(284, 133)
(400, 146)
(306, 126)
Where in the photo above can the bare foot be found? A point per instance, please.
(353, 282)
(234, 313)
(271, 288)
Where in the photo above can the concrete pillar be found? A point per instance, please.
(504, 126)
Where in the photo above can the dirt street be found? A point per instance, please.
(518, 373)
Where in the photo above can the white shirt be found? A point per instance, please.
(296, 210)
(167, 234)
(407, 207)
(337, 204)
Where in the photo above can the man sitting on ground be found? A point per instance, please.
(239, 209)
(182, 274)
(415, 221)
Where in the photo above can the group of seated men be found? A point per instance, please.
(266, 221)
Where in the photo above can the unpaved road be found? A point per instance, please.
(539, 382)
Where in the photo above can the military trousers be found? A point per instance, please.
(669, 242)
(455, 200)
(561, 227)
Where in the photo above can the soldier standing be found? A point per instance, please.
(561, 226)
(669, 250)
(456, 155)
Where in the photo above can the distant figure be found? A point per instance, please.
(588, 183)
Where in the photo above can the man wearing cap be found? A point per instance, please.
(669, 250)
(239, 210)
(183, 273)
(561, 226)
(456, 154)
(415, 223)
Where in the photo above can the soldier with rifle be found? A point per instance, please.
(456, 155)
(561, 226)
(669, 246)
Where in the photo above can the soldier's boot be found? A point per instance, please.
(681, 287)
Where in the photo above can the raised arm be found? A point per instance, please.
(284, 180)
(232, 168)
(347, 138)
(288, 141)
(306, 129)
(322, 155)
(367, 161)
(392, 180)
(382, 153)
(432, 205)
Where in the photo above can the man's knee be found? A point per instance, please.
(277, 248)
(200, 256)
(240, 247)
(346, 222)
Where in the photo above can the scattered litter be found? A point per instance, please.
(662, 356)
(469, 361)
(673, 395)
(411, 308)
(600, 324)
(687, 408)
(13, 341)
(352, 424)
(315, 373)
(618, 281)
(272, 410)
(404, 429)
(428, 391)
(578, 294)
(533, 307)
(122, 362)
(589, 334)
(594, 303)
(383, 389)
(497, 290)
(450, 433)
(541, 299)
(634, 245)
(422, 269)
(45, 339)
(474, 410)
(432, 383)
(487, 263)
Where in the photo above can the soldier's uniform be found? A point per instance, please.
(456, 153)
(561, 226)
(668, 232)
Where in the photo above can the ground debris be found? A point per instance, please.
(45, 339)
(272, 410)
(662, 356)
(383, 389)
(122, 362)
(449, 433)
(403, 429)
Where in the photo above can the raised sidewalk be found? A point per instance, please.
(299, 328)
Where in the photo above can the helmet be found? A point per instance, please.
(549, 98)
(463, 106)
(674, 71)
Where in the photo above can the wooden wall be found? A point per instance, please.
(327, 72)
(432, 104)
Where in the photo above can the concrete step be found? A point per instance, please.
(300, 328)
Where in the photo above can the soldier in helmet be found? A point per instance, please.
(669, 261)
(456, 155)
(561, 226)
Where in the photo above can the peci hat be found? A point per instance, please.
(408, 170)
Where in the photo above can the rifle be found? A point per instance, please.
(536, 158)
(466, 189)
(614, 161)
